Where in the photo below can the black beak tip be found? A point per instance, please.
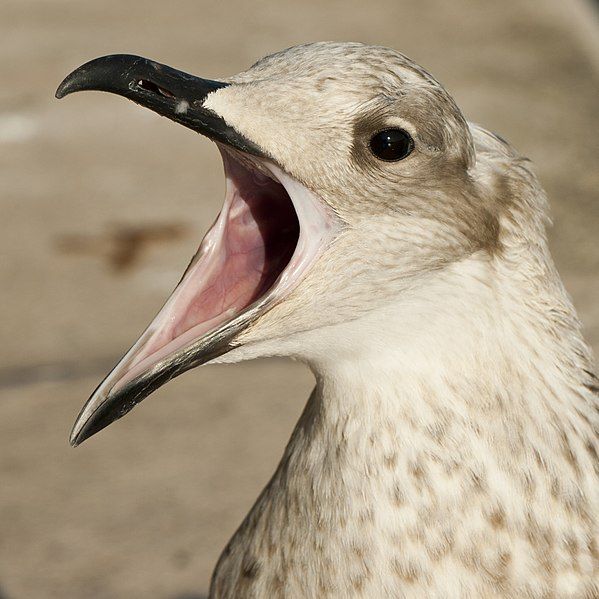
(63, 89)
(80, 436)
(91, 427)
(101, 74)
(111, 409)
(73, 82)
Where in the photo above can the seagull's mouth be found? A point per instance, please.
(269, 232)
(252, 256)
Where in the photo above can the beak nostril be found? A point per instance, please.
(156, 89)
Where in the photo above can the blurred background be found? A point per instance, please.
(103, 203)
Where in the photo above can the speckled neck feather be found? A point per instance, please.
(455, 457)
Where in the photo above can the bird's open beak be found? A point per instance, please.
(270, 229)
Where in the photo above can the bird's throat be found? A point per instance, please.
(448, 458)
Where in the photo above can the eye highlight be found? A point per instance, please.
(392, 145)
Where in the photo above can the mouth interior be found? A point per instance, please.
(259, 231)
(239, 260)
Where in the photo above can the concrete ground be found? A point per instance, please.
(103, 203)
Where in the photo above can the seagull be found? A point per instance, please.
(450, 446)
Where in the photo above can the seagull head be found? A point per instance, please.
(350, 177)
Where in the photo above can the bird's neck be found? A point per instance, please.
(481, 364)
(457, 424)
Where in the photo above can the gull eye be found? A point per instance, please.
(392, 144)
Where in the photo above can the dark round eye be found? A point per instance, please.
(392, 144)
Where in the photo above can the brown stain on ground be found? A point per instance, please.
(122, 245)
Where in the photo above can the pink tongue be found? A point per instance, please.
(234, 281)
(240, 259)
(253, 249)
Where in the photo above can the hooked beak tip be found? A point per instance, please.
(67, 85)
(61, 91)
